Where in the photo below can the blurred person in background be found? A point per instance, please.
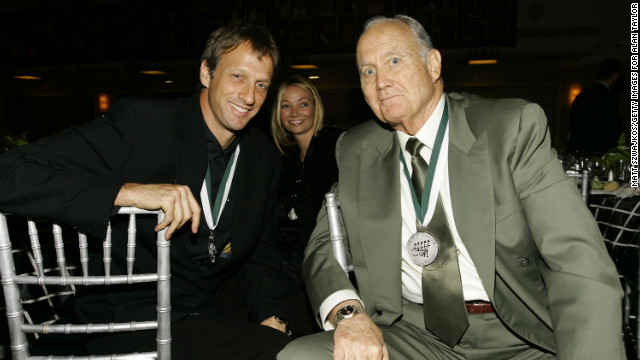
(596, 122)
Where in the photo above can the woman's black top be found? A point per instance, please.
(301, 195)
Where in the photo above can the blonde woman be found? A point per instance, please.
(308, 165)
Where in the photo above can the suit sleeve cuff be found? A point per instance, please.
(330, 302)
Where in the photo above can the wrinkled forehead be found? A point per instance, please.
(382, 37)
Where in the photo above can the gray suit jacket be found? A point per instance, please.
(535, 245)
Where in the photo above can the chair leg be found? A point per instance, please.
(164, 301)
(14, 311)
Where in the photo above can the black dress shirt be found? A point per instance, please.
(218, 160)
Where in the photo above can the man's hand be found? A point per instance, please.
(275, 323)
(359, 338)
(177, 202)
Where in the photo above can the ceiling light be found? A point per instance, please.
(314, 77)
(153, 72)
(304, 67)
(483, 61)
(168, 81)
(484, 56)
(27, 77)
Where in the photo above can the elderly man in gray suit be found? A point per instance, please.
(466, 238)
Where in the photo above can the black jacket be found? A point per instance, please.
(595, 121)
(74, 177)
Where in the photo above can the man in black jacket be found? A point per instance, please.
(596, 123)
(229, 298)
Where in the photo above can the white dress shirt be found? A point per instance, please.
(412, 273)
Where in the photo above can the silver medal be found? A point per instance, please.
(423, 248)
(212, 247)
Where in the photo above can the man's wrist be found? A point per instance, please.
(333, 302)
(346, 312)
(284, 322)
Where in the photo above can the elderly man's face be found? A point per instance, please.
(398, 86)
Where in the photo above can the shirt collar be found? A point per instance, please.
(214, 145)
(428, 131)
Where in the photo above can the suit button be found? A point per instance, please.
(524, 262)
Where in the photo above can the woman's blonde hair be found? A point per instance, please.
(281, 136)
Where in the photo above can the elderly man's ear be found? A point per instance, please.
(434, 61)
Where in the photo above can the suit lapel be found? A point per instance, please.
(191, 152)
(472, 193)
(380, 217)
(245, 217)
(190, 166)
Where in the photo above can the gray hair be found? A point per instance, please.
(420, 34)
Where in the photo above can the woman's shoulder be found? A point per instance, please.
(330, 131)
(324, 145)
(329, 134)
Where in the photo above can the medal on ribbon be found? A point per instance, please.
(213, 211)
(423, 246)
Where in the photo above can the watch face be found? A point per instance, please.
(347, 310)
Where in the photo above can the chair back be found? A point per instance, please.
(13, 285)
(585, 185)
(335, 231)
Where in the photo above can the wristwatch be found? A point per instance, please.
(287, 331)
(347, 312)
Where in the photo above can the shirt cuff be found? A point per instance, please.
(330, 302)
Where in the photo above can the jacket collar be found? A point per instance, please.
(191, 153)
(470, 181)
